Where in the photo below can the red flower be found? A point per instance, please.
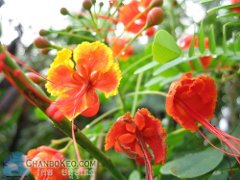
(185, 44)
(130, 136)
(129, 11)
(237, 9)
(193, 100)
(37, 158)
(74, 80)
(118, 45)
(199, 93)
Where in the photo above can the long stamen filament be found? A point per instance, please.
(231, 142)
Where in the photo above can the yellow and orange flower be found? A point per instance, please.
(74, 77)
(131, 136)
(42, 155)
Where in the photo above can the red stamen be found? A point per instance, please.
(26, 66)
(78, 95)
(149, 173)
(231, 142)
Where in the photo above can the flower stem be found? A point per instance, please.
(100, 118)
(131, 41)
(134, 106)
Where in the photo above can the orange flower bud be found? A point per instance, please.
(44, 154)
(64, 11)
(54, 113)
(154, 17)
(41, 42)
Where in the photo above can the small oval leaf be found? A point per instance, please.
(164, 47)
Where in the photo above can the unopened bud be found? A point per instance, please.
(101, 4)
(154, 17)
(64, 11)
(58, 116)
(69, 28)
(156, 3)
(87, 4)
(43, 32)
(93, 1)
(54, 113)
(41, 42)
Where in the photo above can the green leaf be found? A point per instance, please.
(201, 43)
(191, 50)
(146, 67)
(193, 165)
(212, 41)
(135, 175)
(215, 9)
(171, 64)
(206, 1)
(164, 47)
(154, 81)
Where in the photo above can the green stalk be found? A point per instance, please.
(139, 80)
(26, 87)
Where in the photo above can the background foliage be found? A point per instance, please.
(151, 69)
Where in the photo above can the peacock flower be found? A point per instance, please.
(37, 158)
(74, 76)
(185, 43)
(192, 100)
(132, 135)
(132, 15)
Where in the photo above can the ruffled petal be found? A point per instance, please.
(60, 73)
(117, 130)
(92, 57)
(199, 93)
(152, 134)
(127, 138)
(60, 79)
(109, 81)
